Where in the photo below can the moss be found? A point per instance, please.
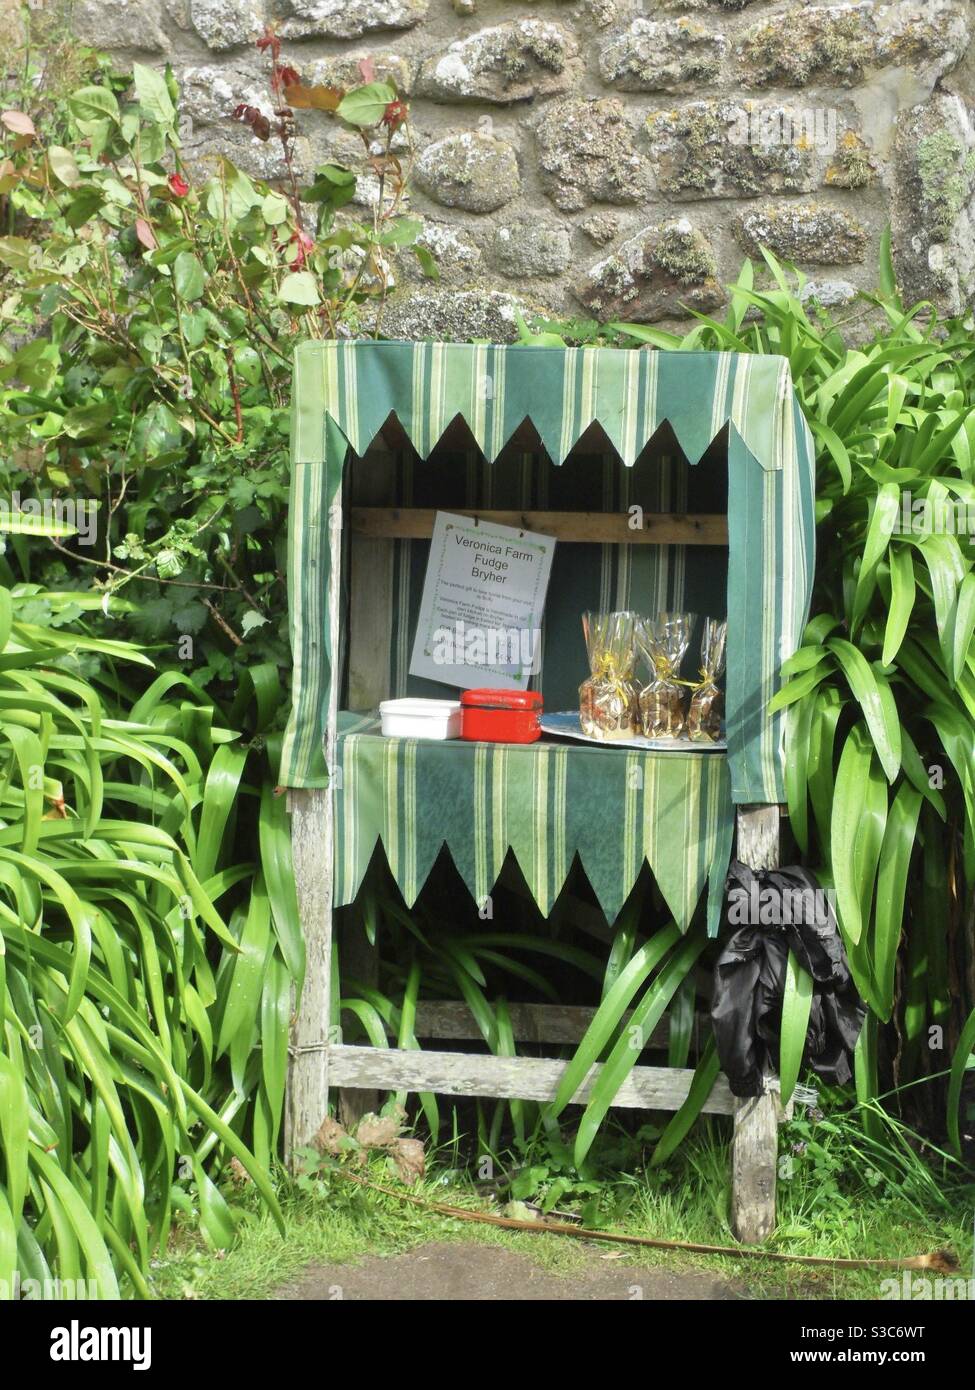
(685, 255)
(853, 167)
(942, 172)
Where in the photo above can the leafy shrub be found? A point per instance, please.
(145, 971)
(881, 769)
(149, 319)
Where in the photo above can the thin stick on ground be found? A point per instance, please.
(941, 1261)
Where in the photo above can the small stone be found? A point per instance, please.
(587, 154)
(601, 227)
(258, 158)
(727, 149)
(828, 294)
(807, 233)
(933, 213)
(660, 273)
(132, 24)
(663, 57)
(508, 62)
(853, 165)
(528, 248)
(368, 192)
(224, 24)
(458, 258)
(464, 7)
(839, 43)
(342, 70)
(449, 316)
(209, 94)
(471, 171)
(348, 19)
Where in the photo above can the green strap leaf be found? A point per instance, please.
(796, 1003)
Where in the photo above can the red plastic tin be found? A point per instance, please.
(500, 716)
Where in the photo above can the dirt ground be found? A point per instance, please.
(482, 1273)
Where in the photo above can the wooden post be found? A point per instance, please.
(311, 844)
(755, 1146)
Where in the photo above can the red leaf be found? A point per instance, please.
(395, 114)
(144, 232)
(269, 39)
(367, 68)
(18, 122)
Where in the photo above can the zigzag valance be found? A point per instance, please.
(562, 391)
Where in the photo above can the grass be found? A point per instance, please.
(826, 1207)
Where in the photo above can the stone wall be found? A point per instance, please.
(618, 158)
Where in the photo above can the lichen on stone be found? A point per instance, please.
(726, 149)
(806, 233)
(348, 19)
(472, 171)
(529, 248)
(828, 294)
(587, 154)
(853, 165)
(452, 316)
(457, 257)
(342, 70)
(839, 43)
(934, 211)
(601, 227)
(668, 56)
(662, 272)
(942, 172)
(505, 63)
(224, 24)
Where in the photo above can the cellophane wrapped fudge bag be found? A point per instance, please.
(663, 640)
(608, 698)
(707, 701)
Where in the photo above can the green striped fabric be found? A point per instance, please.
(344, 392)
(545, 802)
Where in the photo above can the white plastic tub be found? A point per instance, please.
(415, 718)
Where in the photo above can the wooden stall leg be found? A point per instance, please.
(360, 961)
(311, 838)
(755, 1146)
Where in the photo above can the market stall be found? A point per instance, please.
(669, 482)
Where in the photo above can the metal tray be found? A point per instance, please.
(566, 725)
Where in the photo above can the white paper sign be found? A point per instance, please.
(483, 598)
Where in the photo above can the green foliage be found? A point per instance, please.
(145, 971)
(640, 972)
(881, 695)
(149, 316)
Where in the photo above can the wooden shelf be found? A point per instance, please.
(595, 528)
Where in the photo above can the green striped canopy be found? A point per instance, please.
(345, 391)
(546, 803)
